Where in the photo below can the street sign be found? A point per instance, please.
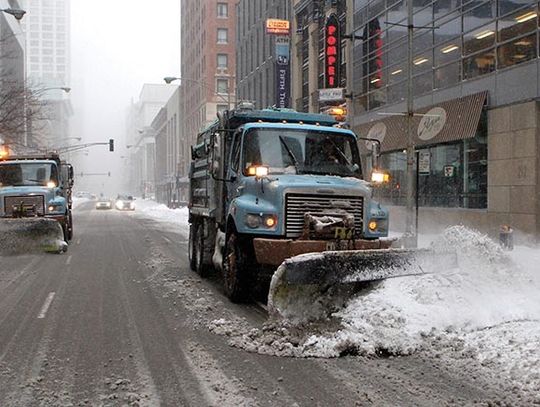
(424, 162)
(448, 171)
(331, 94)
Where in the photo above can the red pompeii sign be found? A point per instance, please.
(332, 52)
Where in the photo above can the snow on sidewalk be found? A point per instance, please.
(176, 219)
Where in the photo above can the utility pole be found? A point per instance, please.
(411, 236)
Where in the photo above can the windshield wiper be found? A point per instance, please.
(295, 161)
(341, 153)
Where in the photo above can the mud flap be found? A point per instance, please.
(30, 236)
(326, 279)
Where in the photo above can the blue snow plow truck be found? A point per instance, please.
(275, 189)
(35, 203)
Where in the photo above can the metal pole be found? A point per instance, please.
(411, 236)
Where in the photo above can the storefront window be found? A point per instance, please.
(452, 175)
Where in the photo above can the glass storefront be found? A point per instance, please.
(456, 40)
(451, 175)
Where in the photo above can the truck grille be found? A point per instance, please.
(29, 202)
(296, 205)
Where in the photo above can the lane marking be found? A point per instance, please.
(46, 305)
(68, 261)
(166, 239)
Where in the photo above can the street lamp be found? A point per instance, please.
(169, 79)
(65, 89)
(15, 12)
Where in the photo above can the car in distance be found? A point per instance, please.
(104, 203)
(125, 203)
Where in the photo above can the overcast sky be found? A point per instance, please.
(117, 45)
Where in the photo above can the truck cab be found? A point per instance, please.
(271, 184)
(37, 186)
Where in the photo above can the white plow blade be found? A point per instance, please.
(31, 235)
(309, 280)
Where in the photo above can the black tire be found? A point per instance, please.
(69, 227)
(237, 276)
(191, 246)
(197, 258)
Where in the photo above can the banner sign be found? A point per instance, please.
(332, 54)
(283, 85)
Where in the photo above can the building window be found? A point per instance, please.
(222, 86)
(222, 61)
(222, 10)
(222, 36)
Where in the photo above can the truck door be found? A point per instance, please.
(233, 172)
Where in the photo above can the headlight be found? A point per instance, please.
(119, 204)
(253, 221)
(55, 207)
(270, 221)
(257, 220)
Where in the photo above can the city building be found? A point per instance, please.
(317, 63)
(475, 86)
(12, 79)
(141, 136)
(171, 159)
(475, 89)
(260, 77)
(48, 59)
(208, 65)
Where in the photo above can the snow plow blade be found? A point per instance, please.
(30, 236)
(308, 278)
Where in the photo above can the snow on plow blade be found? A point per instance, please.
(30, 235)
(325, 279)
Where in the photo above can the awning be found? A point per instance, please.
(455, 119)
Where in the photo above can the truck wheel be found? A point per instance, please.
(236, 269)
(69, 227)
(197, 250)
(191, 246)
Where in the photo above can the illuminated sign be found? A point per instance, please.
(275, 26)
(332, 52)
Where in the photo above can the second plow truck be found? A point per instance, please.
(279, 193)
(35, 203)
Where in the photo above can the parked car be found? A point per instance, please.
(125, 203)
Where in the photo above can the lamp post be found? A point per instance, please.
(15, 12)
(169, 79)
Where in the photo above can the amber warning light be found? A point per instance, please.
(275, 26)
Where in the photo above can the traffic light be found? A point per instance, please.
(111, 145)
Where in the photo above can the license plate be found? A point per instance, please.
(343, 233)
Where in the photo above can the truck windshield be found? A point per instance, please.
(302, 152)
(27, 174)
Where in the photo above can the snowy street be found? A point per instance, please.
(121, 320)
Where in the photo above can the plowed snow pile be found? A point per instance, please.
(488, 309)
